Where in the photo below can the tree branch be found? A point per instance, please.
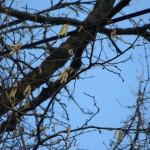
(56, 60)
(38, 18)
(141, 31)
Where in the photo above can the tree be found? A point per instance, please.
(44, 53)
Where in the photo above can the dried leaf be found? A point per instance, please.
(64, 30)
(120, 135)
(27, 90)
(14, 90)
(70, 51)
(113, 33)
(15, 48)
(68, 132)
(64, 77)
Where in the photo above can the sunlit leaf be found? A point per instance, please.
(15, 48)
(64, 77)
(64, 30)
(27, 90)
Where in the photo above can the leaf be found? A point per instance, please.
(14, 90)
(113, 33)
(15, 48)
(120, 135)
(27, 90)
(70, 51)
(64, 77)
(64, 30)
(68, 132)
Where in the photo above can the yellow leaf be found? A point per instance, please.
(15, 48)
(14, 90)
(64, 77)
(64, 30)
(27, 90)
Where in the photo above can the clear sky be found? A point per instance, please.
(111, 93)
